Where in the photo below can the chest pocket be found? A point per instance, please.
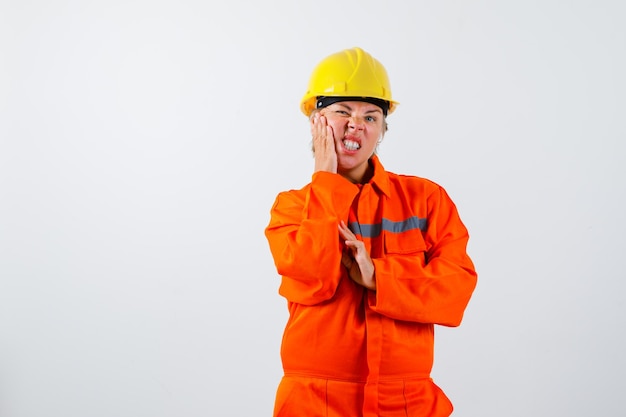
(405, 242)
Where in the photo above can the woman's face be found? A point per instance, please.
(357, 127)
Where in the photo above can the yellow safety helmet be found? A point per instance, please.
(351, 74)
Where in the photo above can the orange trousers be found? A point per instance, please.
(299, 396)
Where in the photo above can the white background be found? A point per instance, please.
(142, 144)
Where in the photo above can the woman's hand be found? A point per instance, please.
(323, 144)
(356, 259)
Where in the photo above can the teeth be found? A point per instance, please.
(351, 145)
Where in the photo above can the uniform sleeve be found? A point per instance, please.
(432, 284)
(304, 239)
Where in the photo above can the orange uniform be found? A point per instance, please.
(348, 351)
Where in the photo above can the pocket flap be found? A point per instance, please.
(409, 241)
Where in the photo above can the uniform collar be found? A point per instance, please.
(380, 179)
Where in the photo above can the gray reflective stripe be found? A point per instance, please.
(373, 230)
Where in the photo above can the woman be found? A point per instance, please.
(370, 261)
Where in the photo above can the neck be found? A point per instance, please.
(359, 175)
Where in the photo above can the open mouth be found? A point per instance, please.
(351, 145)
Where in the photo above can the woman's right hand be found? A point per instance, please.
(323, 144)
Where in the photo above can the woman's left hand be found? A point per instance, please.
(356, 259)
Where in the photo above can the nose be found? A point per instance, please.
(356, 123)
